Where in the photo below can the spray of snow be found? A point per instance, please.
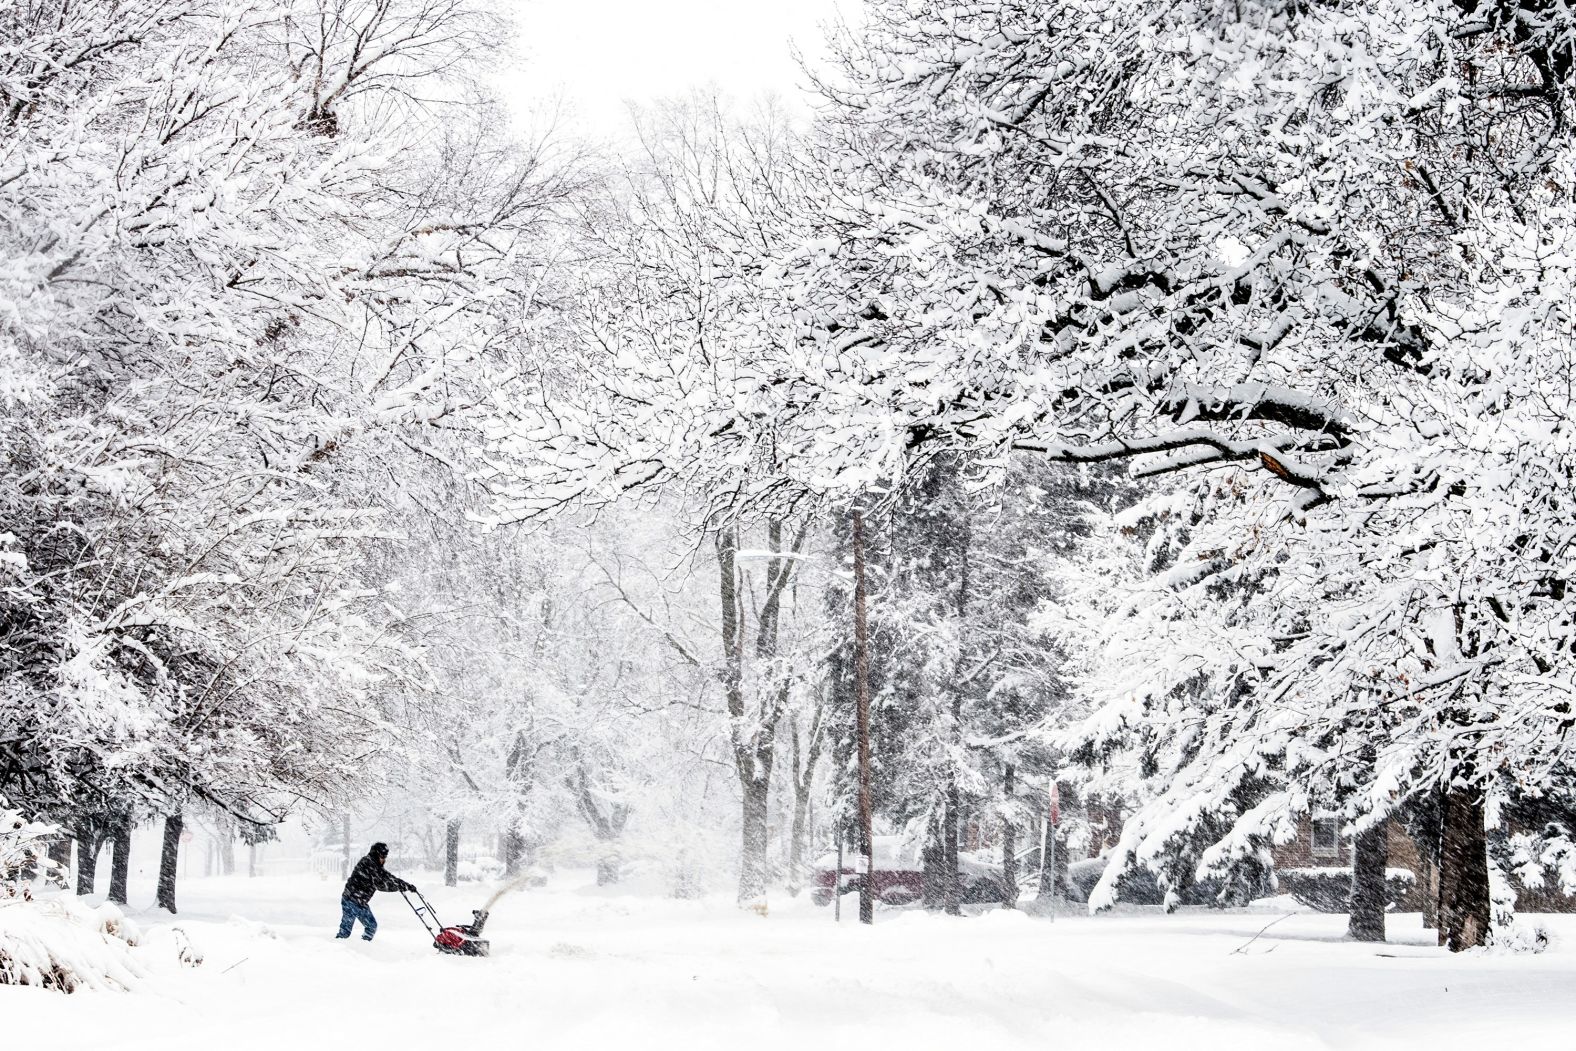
(506, 888)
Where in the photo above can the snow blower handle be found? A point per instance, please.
(424, 912)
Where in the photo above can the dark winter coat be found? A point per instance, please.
(368, 877)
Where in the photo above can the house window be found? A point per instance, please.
(1326, 837)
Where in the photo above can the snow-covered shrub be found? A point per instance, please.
(1509, 932)
(1139, 886)
(479, 869)
(59, 943)
(1543, 861)
(24, 851)
(1519, 935)
(62, 943)
(1135, 887)
(1329, 888)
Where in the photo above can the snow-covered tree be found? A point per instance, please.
(243, 252)
(1311, 251)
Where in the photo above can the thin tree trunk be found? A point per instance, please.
(1009, 843)
(227, 847)
(1428, 881)
(752, 859)
(867, 904)
(451, 854)
(1370, 853)
(796, 837)
(806, 753)
(1464, 904)
(169, 857)
(120, 865)
(1047, 889)
(344, 831)
(934, 877)
(87, 859)
(954, 795)
(953, 892)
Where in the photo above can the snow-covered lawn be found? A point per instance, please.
(575, 968)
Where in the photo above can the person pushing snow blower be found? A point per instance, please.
(368, 877)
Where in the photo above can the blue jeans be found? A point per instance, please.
(349, 913)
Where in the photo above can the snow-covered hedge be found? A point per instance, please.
(63, 943)
(1329, 889)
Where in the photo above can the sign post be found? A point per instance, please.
(837, 882)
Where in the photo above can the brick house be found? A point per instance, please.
(1319, 844)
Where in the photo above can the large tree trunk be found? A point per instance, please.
(513, 851)
(607, 820)
(953, 878)
(87, 858)
(120, 866)
(1365, 915)
(1009, 844)
(753, 801)
(867, 899)
(1464, 905)
(60, 855)
(752, 846)
(169, 857)
(451, 854)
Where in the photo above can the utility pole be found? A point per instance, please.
(1055, 820)
(867, 907)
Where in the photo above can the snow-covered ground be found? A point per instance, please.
(577, 968)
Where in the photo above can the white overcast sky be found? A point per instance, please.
(596, 54)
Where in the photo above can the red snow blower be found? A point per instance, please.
(464, 940)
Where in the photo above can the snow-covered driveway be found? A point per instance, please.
(577, 969)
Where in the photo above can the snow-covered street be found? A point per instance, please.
(573, 967)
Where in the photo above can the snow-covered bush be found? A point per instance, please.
(1545, 861)
(1136, 887)
(24, 851)
(1329, 888)
(58, 943)
(62, 943)
(482, 869)
(1510, 932)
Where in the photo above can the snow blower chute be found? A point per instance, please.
(464, 940)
